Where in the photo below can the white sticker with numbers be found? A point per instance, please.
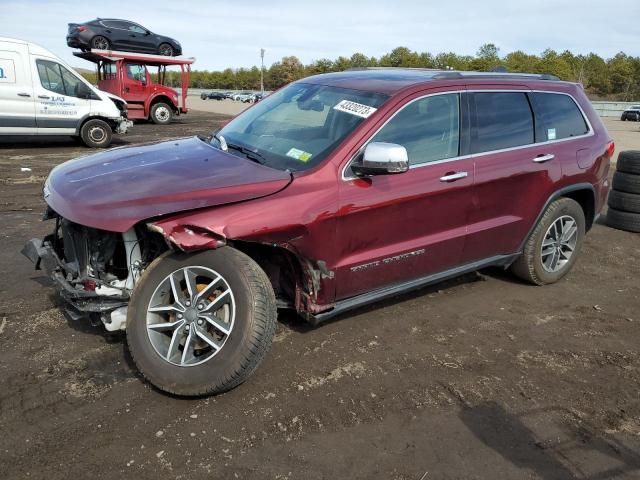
(354, 108)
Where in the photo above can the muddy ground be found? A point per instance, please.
(479, 378)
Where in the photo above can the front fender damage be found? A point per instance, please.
(311, 277)
(188, 238)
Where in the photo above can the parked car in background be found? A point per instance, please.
(239, 96)
(415, 176)
(122, 35)
(213, 96)
(631, 113)
(42, 95)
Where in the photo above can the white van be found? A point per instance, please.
(42, 95)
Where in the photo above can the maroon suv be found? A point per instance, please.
(336, 191)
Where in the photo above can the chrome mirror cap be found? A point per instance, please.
(382, 158)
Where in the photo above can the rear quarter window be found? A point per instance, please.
(558, 116)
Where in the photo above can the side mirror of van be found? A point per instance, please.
(83, 91)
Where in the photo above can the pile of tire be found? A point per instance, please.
(624, 198)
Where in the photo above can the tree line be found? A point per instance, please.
(616, 78)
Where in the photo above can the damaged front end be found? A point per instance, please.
(93, 270)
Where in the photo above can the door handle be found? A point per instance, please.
(24, 95)
(44, 97)
(452, 177)
(544, 158)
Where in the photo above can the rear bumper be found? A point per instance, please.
(75, 41)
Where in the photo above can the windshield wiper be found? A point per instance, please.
(247, 152)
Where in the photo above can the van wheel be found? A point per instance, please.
(96, 133)
(161, 113)
(100, 43)
(201, 324)
(553, 246)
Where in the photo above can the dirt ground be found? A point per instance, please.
(483, 377)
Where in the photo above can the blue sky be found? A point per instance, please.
(224, 34)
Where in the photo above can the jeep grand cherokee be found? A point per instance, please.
(337, 190)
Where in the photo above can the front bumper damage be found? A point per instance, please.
(79, 302)
(84, 291)
(123, 125)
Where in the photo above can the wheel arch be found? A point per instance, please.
(583, 193)
(161, 97)
(88, 117)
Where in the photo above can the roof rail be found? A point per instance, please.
(452, 74)
(530, 76)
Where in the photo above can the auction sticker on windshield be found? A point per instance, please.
(299, 154)
(354, 108)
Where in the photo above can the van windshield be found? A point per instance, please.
(298, 126)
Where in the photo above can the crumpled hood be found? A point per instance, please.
(116, 189)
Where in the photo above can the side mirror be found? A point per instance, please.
(381, 158)
(82, 91)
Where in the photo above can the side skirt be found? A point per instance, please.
(390, 291)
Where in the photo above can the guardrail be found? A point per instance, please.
(612, 109)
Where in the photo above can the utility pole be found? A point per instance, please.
(262, 71)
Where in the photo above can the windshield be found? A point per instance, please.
(298, 126)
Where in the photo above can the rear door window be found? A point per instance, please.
(559, 116)
(500, 120)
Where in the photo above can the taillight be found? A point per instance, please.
(611, 148)
(81, 28)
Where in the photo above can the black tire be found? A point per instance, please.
(626, 182)
(246, 345)
(203, 96)
(627, 221)
(166, 50)
(100, 43)
(161, 113)
(629, 162)
(529, 265)
(96, 133)
(627, 202)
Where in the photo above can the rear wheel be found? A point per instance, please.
(161, 113)
(166, 50)
(201, 324)
(100, 43)
(96, 133)
(553, 246)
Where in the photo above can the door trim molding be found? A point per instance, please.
(396, 289)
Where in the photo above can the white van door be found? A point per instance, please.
(59, 109)
(17, 106)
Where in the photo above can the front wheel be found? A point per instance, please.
(554, 244)
(96, 133)
(201, 324)
(166, 50)
(161, 113)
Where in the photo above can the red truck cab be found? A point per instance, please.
(127, 75)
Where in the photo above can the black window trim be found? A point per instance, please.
(464, 109)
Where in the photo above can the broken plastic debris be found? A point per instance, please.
(25, 169)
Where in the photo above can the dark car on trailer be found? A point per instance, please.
(335, 191)
(214, 96)
(123, 35)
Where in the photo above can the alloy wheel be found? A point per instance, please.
(190, 316)
(559, 243)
